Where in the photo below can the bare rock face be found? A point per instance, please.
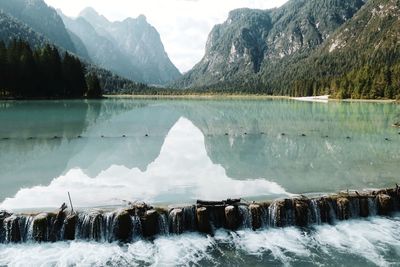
(132, 47)
(251, 40)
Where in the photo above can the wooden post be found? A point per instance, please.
(70, 202)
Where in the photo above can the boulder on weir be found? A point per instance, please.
(70, 226)
(256, 215)
(12, 228)
(176, 221)
(384, 204)
(41, 229)
(343, 208)
(203, 221)
(232, 217)
(150, 223)
(123, 226)
(302, 211)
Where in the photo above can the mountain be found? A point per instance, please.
(304, 47)
(100, 49)
(41, 18)
(11, 29)
(132, 48)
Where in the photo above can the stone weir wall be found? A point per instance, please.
(143, 221)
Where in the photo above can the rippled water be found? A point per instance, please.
(210, 149)
(373, 242)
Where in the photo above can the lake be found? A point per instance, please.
(166, 152)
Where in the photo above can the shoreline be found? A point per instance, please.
(204, 97)
(240, 96)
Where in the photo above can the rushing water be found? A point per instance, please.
(373, 242)
(176, 151)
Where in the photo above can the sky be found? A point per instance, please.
(184, 25)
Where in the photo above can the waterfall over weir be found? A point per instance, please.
(143, 221)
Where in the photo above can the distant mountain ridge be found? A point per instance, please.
(132, 48)
(40, 18)
(305, 47)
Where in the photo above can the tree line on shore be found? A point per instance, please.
(43, 73)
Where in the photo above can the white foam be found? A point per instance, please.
(171, 251)
(182, 172)
(368, 242)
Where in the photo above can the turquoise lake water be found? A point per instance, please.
(208, 149)
(108, 152)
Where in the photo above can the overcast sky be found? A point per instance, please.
(183, 24)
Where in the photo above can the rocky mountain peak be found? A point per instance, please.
(251, 39)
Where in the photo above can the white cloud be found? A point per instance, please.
(184, 25)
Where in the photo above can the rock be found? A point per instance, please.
(301, 212)
(232, 217)
(70, 226)
(203, 222)
(343, 211)
(55, 232)
(324, 210)
(150, 223)
(385, 206)
(256, 213)
(12, 229)
(123, 226)
(278, 213)
(364, 207)
(41, 227)
(3, 216)
(176, 221)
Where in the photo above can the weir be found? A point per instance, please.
(144, 221)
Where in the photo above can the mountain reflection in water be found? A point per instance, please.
(194, 149)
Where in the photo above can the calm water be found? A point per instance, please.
(194, 149)
(99, 151)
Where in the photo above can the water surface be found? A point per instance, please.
(176, 151)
